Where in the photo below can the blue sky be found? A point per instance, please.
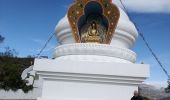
(27, 24)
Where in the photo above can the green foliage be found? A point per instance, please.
(11, 68)
(145, 98)
(10, 73)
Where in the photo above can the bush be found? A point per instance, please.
(10, 73)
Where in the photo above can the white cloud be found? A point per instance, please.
(146, 6)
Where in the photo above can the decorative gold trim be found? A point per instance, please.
(110, 11)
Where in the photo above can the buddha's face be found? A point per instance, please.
(93, 24)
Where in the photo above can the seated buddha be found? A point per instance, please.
(91, 35)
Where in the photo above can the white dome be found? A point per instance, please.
(125, 33)
(117, 51)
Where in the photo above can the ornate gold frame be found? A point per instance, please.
(110, 11)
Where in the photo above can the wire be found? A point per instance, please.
(156, 58)
(146, 43)
(38, 55)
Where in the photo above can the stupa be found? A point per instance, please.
(93, 60)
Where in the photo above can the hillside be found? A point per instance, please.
(153, 92)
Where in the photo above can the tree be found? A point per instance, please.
(10, 73)
(1, 39)
(11, 68)
(30, 56)
(9, 52)
(167, 90)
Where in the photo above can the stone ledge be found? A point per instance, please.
(95, 49)
(91, 69)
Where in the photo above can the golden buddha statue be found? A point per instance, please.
(91, 35)
(93, 29)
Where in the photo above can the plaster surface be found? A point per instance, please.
(86, 80)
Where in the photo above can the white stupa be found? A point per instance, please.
(118, 50)
(92, 71)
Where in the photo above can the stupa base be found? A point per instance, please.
(85, 80)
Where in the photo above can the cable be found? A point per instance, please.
(146, 43)
(38, 55)
(156, 58)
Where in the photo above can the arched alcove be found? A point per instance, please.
(92, 8)
(93, 12)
